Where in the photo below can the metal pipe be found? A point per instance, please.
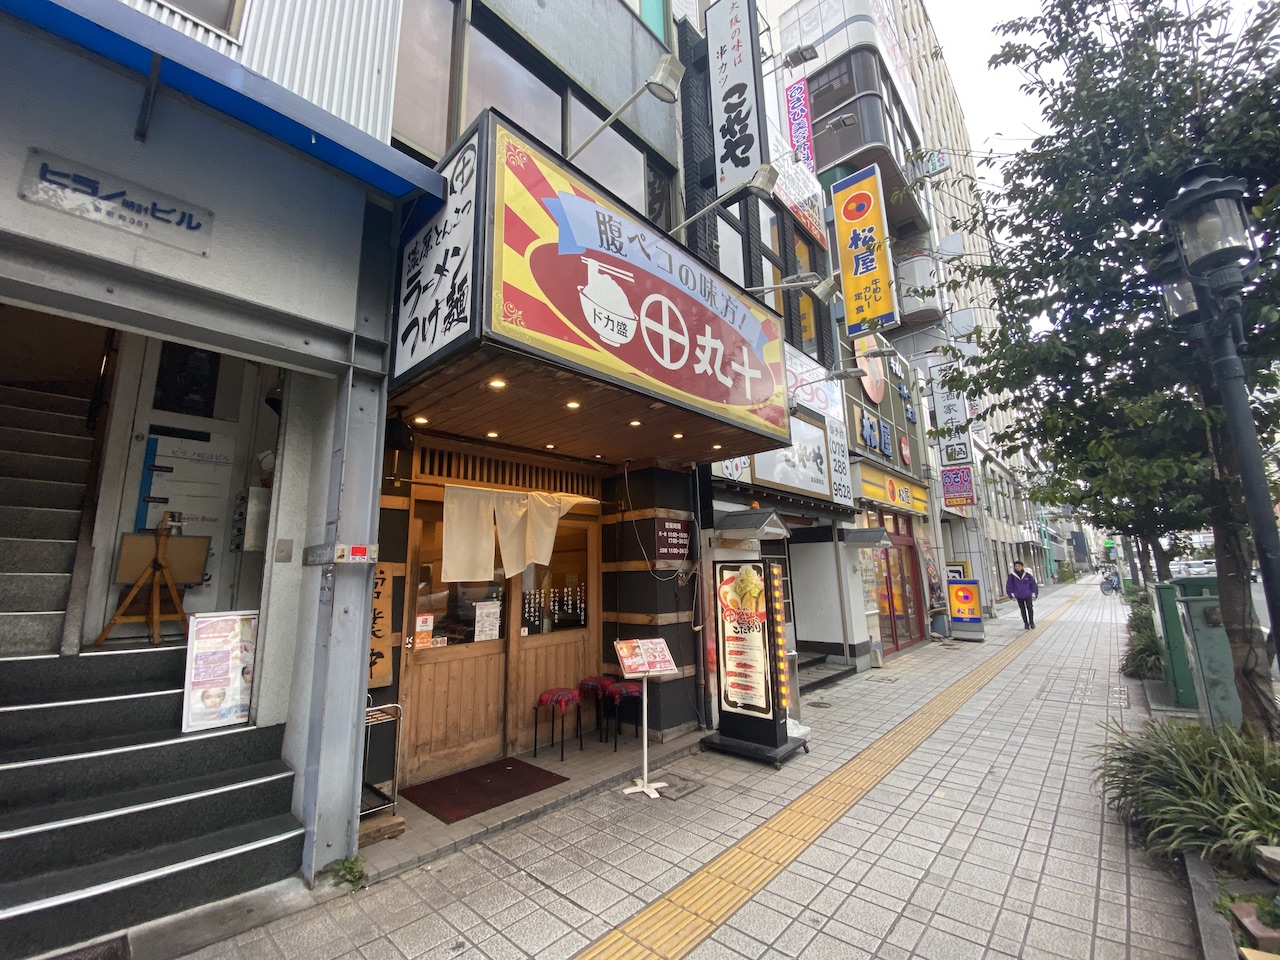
(608, 123)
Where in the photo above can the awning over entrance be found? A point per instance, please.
(139, 43)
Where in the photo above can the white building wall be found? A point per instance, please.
(339, 54)
(286, 234)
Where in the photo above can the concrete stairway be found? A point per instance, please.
(110, 817)
(44, 466)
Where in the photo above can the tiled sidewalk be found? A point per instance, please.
(990, 840)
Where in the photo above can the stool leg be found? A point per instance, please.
(553, 720)
(535, 733)
(581, 746)
(617, 723)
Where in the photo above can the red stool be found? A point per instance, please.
(596, 687)
(561, 697)
(619, 691)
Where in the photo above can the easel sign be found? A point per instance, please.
(219, 681)
(643, 659)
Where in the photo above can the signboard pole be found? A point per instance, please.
(642, 784)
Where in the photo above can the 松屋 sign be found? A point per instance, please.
(84, 191)
(737, 119)
(862, 238)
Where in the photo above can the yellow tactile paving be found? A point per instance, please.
(674, 925)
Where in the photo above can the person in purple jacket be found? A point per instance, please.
(1022, 587)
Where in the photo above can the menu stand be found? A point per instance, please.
(642, 784)
(638, 660)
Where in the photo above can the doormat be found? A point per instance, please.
(462, 795)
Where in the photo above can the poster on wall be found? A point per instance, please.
(742, 629)
(488, 620)
(380, 628)
(219, 680)
(933, 576)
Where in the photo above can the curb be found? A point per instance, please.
(1213, 930)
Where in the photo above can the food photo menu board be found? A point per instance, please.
(644, 658)
(742, 628)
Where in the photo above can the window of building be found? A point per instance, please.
(224, 15)
(653, 14)
(770, 226)
(421, 110)
(495, 79)
(808, 313)
(729, 236)
(554, 597)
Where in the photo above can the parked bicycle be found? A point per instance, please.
(1110, 584)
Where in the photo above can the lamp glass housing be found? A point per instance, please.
(1179, 299)
(665, 82)
(1213, 234)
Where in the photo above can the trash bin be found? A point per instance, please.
(1212, 668)
(1177, 668)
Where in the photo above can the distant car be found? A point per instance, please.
(1197, 568)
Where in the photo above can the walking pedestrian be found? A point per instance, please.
(1022, 586)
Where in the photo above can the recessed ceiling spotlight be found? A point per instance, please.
(635, 423)
(420, 420)
(573, 405)
(497, 383)
(716, 446)
(492, 434)
(551, 446)
(677, 436)
(599, 456)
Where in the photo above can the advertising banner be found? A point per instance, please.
(866, 267)
(742, 629)
(957, 487)
(581, 280)
(799, 123)
(798, 188)
(737, 116)
(219, 678)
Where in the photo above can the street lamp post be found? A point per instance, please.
(1208, 222)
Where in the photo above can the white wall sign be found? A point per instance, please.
(806, 386)
(737, 117)
(804, 466)
(437, 288)
(84, 191)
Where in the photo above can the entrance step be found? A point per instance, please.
(39, 523)
(33, 679)
(63, 906)
(30, 634)
(56, 401)
(34, 592)
(74, 719)
(37, 466)
(21, 555)
(42, 419)
(25, 492)
(49, 444)
(817, 672)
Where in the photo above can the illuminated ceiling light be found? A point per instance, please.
(677, 436)
(635, 423)
(420, 420)
(573, 405)
(551, 446)
(599, 456)
(497, 383)
(717, 446)
(492, 434)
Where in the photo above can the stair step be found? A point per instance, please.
(824, 677)
(45, 421)
(30, 634)
(37, 778)
(84, 832)
(807, 661)
(44, 400)
(33, 726)
(32, 679)
(69, 906)
(22, 492)
(34, 592)
(40, 466)
(50, 444)
(39, 523)
(18, 555)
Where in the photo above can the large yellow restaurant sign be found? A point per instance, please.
(862, 242)
(899, 494)
(581, 280)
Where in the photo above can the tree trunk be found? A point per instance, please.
(1229, 520)
(1144, 560)
(1163, 570)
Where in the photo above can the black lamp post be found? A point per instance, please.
(1202, 283)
